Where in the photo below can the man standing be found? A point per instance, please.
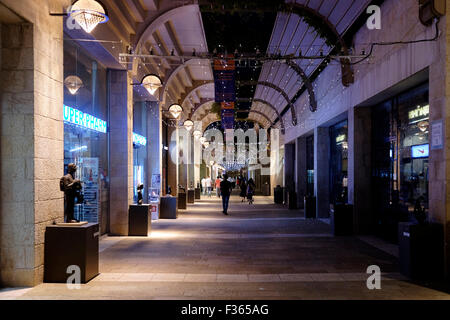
(208, 183)
(218, 181)
(225, 190)
(72, 190)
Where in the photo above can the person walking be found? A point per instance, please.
(225, 189)
(217, 182)
(208, 183)
(203, 183)
(243, 187)
(250, 191)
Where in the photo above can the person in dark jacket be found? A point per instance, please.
(243, 187)
(250, 191)
(225, 190)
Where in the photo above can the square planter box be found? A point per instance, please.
(310, 207)
(191, 196)
(421, 251)
(168, 208)
(182, 201)
(139, 220)
(197, 194)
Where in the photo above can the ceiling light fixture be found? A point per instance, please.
(88, 14)
(151, 83)
(73, 84)
(175, 110)
(188, 125)
(197, 134)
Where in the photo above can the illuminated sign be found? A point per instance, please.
(139, 140)
(419, 113)
(341, 138)
(421, 151)
(85, 120)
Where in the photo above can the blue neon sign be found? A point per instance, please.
(139, 140)
(84, 120)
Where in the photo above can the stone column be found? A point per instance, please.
(359, 167)
(120, 94)
(289, 166)
(300, 170)
(154, 140)
(183, 160)
(172, 168)
(322, 171)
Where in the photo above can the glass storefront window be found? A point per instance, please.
(85, 133)
(310, 165)
(339, 163)
(140, 150)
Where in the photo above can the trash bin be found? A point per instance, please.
(421, 251)
(278, 195)
(182, 200)
(310, 207)
(341, 219)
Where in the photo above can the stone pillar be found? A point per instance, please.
(154, 140)
(276, 160)
(31, 136)
(120, 93)
(289, 167)
(183, 160)
(359, 168)
(172, 167)
(300, 170)
(322, 171)
(191, 166)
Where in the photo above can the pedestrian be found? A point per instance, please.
(250, 191)
(243, 187)
(203, 184)
(218, 181)
(225, 189)
(208, 183)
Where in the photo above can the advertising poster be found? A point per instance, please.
(91, 190)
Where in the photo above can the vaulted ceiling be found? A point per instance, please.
(174, 28)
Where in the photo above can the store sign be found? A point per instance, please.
(419, 113)
(139, 140)
(85, 120)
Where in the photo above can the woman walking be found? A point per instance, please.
(250, 191)
(243, 187)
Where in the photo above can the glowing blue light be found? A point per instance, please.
(139, 140)
(84, 120)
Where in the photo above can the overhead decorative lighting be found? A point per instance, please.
(197, 134)
(423, 126)
(73, 84)
(175, 110)
(152, 83)
(202, 140)
(188, 124)
(88, 14)
(206, 144)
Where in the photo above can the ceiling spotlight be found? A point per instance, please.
(73, 84)
(175, 110)
(188, 124)
(197, 134)
(152, 83)
(88, 14)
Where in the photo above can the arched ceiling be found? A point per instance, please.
(177, 27)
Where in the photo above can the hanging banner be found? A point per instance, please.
(225, 89)
(227, 114)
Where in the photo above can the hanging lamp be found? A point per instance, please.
(73, 84)
(88, 14)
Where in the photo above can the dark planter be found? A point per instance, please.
(341, 216)
(310, 207)
(266, 190)
(168, 208)
(292, 200)
(182, 201)
(278, 195)
(421, 251)
(139, 220)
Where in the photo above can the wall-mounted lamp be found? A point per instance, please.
(175, 110)
(152, 83)
(88, 14)
(197, 134)
(188, 124)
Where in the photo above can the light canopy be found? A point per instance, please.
(152, 83)
(188, 125)
(175, 110)
(88, 14)
(73, 84)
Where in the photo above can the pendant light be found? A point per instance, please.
(73, 84)
(151, 82)
(175, 110)
(88, 14)
(188, 125)
(202, 140)
(197, 134)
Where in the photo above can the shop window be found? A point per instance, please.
(140, 165)
(339, 163)
(85, 131)
(310, 166)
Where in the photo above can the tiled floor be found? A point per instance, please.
(261, 251)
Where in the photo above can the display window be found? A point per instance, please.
(140, 165)
(339, 163)
(310, 166)
(85, 132)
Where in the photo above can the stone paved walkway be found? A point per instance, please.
(262, 251)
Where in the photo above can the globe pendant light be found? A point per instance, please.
(88, 14)
(197, 134)
(175, 110)
(152, 83)
(188, 124)
(73, 84)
